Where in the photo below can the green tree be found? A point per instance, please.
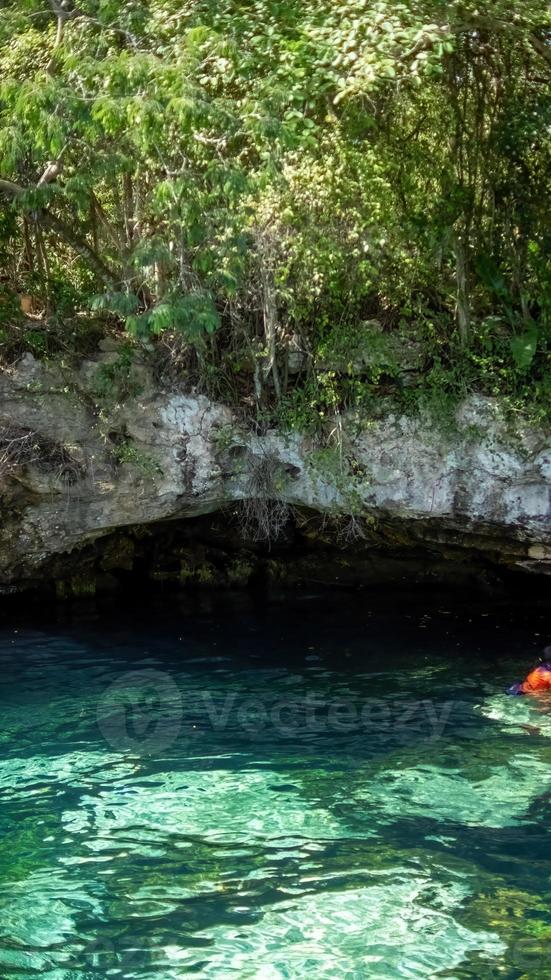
(262, 176)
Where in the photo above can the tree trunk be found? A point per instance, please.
(269, 310)
(463, 305)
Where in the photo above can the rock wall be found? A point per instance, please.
(74, 468)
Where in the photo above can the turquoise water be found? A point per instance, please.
(316, 788)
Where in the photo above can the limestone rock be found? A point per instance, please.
(162, 456)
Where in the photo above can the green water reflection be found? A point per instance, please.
(325, 801)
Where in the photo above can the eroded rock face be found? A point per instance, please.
(148, 457)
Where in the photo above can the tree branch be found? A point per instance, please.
(11, 189)
(64, 11)
(80, 245)
(541, 48)
(426, 42)
(59, 227)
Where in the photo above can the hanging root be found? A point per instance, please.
(349, 529)
(20, 446)
(262, 515)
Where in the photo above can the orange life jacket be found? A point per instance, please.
(538, 680)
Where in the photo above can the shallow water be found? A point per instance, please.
(319, 788)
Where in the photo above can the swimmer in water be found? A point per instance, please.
(538, 680)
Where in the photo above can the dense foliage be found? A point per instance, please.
(263, 179)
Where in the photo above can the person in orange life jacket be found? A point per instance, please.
(538, 680)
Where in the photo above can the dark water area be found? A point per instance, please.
(329, 786)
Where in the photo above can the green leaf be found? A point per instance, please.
(524, 347)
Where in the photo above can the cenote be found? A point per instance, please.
(325, 786)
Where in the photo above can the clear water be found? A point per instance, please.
(319, 788)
